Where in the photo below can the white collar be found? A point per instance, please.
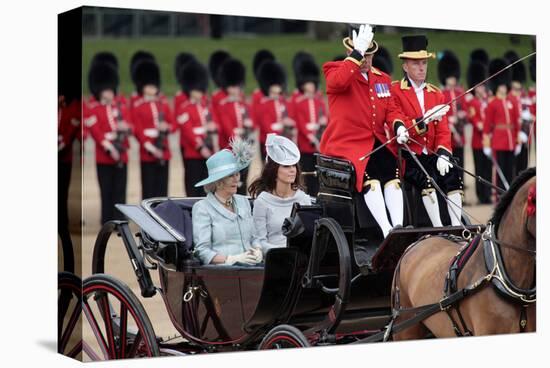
(417, 88)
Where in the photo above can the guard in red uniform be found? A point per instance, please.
(418, 99)
(518, 96)
(476, 103)
(107, 123)
(257, 95)
(214, 63)
(448, 70)
(182, 59)
(137, 57)
(198, 132)
(153, 122)
(272, 109)
(501, 126)
(233, 113)
(310, 114)
(361, 114)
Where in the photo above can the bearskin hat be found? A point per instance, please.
(232, 73)
(269, 74)
(259, 58)
(307, 71)
(533, 68)
(146, 72)
(181, 60)
(504, 78)
(105, 57)
(194, 76)
(448, 66)
(216, 60)
(339, 57)
(138, 57)
(477, 72)
(299, 58)
(102, 76)
(480, 55)
(382, 60)
(519, 73)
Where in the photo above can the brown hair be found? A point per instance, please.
(268, 179)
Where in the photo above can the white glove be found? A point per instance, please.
(526, 115)
(245, 258)
(402, 135)
(443, 165)
(523, 137)
(436, 113)
(517, 151)
(257, 252)
(487, 151)
(363, 39)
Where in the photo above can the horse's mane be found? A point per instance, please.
(507, 198)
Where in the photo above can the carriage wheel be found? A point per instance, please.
(284, 337)
(117, 320)
(69, 309)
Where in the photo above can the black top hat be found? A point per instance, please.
(348, 41)
(259, 58)
(146, 72)
(214, 62)
(136, 58)
(105, 57)
(194, 76)
(232, 73)
(448, 66)
(307, 71)
(102, 76)
(269, 74)
(477, 72)
(504, 78)
(181, 60)
(415, 47)
(519, 73)
(480, 55)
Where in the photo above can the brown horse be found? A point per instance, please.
(420, 277)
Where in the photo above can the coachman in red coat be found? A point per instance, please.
(420, 100)
(362, 115)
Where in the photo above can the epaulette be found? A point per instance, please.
(431, 88)
(375, 71)
(395, 82)
(404, 84)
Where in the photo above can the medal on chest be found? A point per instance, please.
(382, 90)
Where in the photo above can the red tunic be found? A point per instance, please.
(359, 110)
(192, 119)
(102, 121)
(307, 113)
(231, 117)
(476, 117)
(270, 114)
(146, 116)
(501, 124)
(436, 134)
(456, 116)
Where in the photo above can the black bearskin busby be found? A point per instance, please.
(477, 72)
(138, 57)
(533, 68)
(259, 58)
(299, 58)
(102, 76)
(480, 55)
(232, 73)
(269, 74)
(105, 57)
(182, 59)
(382, 60)
(194, 76)
(307, 71)
(504, 78)
(448, 66)
(519, 74)
(146, 72)
(216, 60)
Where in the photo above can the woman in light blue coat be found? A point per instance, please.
(223, 229)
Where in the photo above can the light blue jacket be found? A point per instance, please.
(217, 230)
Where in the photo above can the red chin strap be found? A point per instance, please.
(532, 201)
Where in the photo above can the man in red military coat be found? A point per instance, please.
(361, 112)
(501, 126)
(418, 99)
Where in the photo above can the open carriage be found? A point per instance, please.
(330, 285)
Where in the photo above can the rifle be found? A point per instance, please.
(163, 134)
(211, 139)
(121, 136)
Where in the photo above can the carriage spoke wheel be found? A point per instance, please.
(284, 337)
(117, 321)
(69, 309)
